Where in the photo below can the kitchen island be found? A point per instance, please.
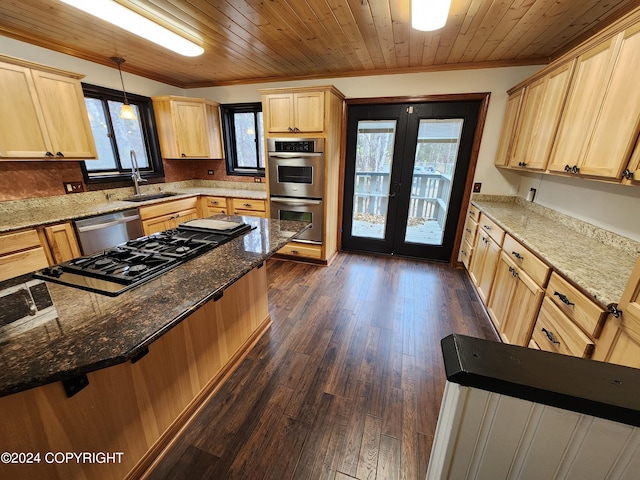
(121, 375)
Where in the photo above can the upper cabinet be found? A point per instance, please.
(539, 117)
(581, 115)
(188, 127)
(298, 112)
(42, 114)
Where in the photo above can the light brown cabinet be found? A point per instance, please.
(248, 206)
(298, 112)
(211, 205)
(486, 252)
(62, 242)
(600, 124)
(509, 125)
(188, 128)
(42, 114)
(21, 252)
(168, 215)
(538, 119)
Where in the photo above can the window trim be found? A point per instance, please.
(149, 131)
(226, 113)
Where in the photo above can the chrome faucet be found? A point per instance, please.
(135, 173)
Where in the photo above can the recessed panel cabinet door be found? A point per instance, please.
(617, 124)
(309, 111)
(585, 97)
(507, 134)
(65, 115)
(191, 132)
(22, 130)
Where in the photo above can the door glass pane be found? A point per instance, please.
(374, 156)
(435, 162)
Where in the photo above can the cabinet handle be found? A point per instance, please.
(628, 174)
(612, 308)
(567, 168)
(48, 154)
(214, 202)
(468, 230)
(295, 252)
(60, 154)
(246, 205)
(517, 255)
(486, 227)
(552, 338)
(183, 155)
(290, 129)
(522, 164)
(563, 298)
(514, 272)
(575, 169)
(296, 129)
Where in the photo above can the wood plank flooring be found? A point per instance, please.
(346, 384)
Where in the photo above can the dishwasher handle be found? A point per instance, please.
(98, 226)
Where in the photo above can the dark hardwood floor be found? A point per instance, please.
(346, 384)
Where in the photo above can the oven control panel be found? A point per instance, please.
(302, 145)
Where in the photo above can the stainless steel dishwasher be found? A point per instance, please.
(106, 231)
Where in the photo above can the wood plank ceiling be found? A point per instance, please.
(248, 41)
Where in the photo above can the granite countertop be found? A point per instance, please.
(94, 331)
(35, 212)
(597, 261)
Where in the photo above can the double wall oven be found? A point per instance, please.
(296, 183)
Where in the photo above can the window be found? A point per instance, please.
(243, 138)
(115, 137)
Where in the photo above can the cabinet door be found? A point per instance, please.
(62, 242)
(489, 266)
(309, 112)
(279, 110)
(181, 217)
(508, 129)
(504, 286)
(22, 130)
(523, 310)
(539, 117)
(480, 248)
(65, 115)
(618, 122)
(191, 129)
(215, 131)
(585, 96)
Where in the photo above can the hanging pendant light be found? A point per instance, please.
(429, 15)
(126, 111)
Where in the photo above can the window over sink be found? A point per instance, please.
(115, 137)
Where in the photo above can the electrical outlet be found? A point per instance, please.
(257, 179)
(73, 187)
(209, 172)
(477, 187)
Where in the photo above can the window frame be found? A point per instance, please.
(149, 132)
(227, 111)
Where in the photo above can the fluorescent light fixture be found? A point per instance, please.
(122, 17)
(429, 15)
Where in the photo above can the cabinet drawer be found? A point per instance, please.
(527, 261)
(215, 202)
(299, 250)
(576, 306)
(248, 204)
(22, 262)
(474, 213)
(13, 242)
(554, 332)
(166, 208)
(465, 254)
(470, 229)
(489, 227)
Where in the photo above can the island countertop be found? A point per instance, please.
(94, 331)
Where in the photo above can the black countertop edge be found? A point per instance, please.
(603, 390)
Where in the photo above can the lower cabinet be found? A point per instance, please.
(248, 206)
(303, 250)
(62, 241)
(167, 215)
(21, 252)
(514, 302)
(483, 264)
(213, 206)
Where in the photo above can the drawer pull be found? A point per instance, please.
(468, 230)
(612, 308)
(246, 205)
(517, 255)
(552, 338)
(214, 202)
(563, 298)
(514, 272)
(486, 227)
(295, 252)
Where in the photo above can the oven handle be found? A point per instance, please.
(89, 228)
(287, 155)
(296, 201)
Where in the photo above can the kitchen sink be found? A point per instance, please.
(149, 196)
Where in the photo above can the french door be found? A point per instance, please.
(406, 170)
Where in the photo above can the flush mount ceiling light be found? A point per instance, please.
(126, 111)
(429, 15)
(131, 21)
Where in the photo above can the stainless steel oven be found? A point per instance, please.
(301, 210)
(296, 167)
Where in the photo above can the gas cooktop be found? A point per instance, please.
(125, 266)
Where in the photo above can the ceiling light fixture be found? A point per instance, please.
(429, 15)
(126, 111)
(135, 23)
